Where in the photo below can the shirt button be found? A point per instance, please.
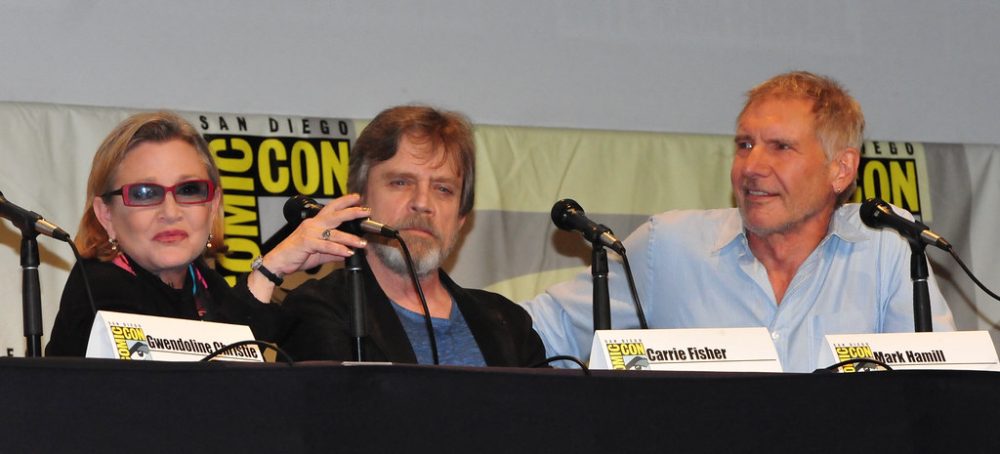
(775, 335)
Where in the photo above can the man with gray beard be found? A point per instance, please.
(413, 168)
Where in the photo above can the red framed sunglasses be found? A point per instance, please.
(189, 192)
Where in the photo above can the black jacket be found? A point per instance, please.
(501, 328)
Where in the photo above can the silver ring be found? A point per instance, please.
(326, 234)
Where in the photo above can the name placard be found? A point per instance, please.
(700, 349)
(119, 335)
(967, 350)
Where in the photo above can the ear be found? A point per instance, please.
(461, 222)
(844, 168)
(103, 213)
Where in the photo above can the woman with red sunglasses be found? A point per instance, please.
(153, 212)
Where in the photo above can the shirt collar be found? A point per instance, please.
(731, 232)
(847, 225)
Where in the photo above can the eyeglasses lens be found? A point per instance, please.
(145, 194)
(148, 194)
(191, 192)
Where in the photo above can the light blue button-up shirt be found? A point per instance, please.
(694, 269)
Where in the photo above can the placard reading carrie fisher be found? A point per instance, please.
(701, 349)
(119, 335)
(969, 350)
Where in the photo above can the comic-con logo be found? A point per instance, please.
(897, 173)
(857, 351)
(627, 355)
(130, 342)
(263, 161)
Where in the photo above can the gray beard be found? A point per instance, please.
(428, 253)
(392, 257)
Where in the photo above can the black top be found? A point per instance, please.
(501, 328)
(312, 324)
(116, 289)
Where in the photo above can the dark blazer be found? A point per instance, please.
(501, 328)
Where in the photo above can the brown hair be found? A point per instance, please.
(91, 238)
(840, 123)
(379, 142)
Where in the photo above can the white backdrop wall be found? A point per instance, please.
(924, 70)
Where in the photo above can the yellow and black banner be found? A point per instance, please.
(264, 160)
(897, 173)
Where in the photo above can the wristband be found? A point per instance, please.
(258, 265)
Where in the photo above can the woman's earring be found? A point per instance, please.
(114, 244)
(209, 244)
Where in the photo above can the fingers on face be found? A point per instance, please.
(324, 227)
(334, 250)
(342, 209)
(342, 202)
(333, 236)
(327, 222)
(319, 238)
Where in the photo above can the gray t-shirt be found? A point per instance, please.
(455, 343)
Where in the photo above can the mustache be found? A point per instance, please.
(417, 222)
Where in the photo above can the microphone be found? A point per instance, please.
(300, 207)
(22, 218)
(569, 215)
(876, 213)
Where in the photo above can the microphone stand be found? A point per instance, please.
(921, 295)
(31, 296)
(356, 295)
(602, 301)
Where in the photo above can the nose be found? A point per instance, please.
(420, 199)
(754, 163)
(170, 209)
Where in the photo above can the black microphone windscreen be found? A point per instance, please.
(300, 207)
(561, 211)
(871, 210)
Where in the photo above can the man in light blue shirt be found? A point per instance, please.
(792, 257)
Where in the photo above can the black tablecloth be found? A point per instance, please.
(100, 405)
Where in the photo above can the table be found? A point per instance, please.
(54, 405)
